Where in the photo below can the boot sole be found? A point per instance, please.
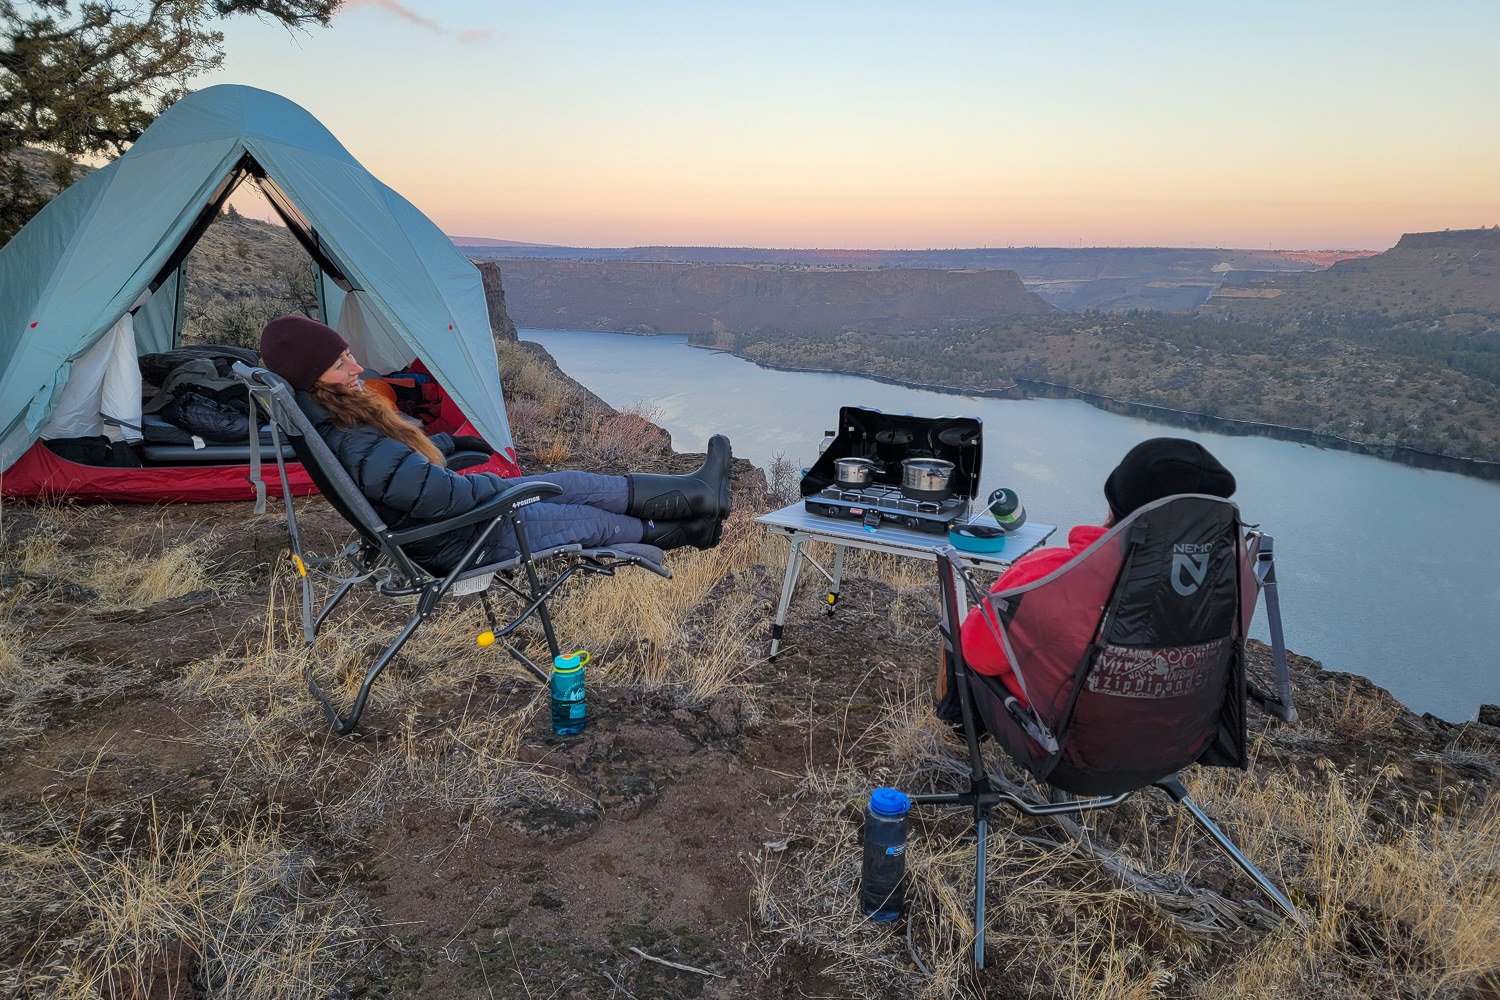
(726, 493)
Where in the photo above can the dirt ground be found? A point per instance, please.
(649, 850)
(649, 835)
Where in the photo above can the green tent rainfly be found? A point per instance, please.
(104, 261)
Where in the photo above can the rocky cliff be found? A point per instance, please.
(1450, 273)
(1111, 279)
(655, 297)
(494, 300)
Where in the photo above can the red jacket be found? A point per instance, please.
(981, 651)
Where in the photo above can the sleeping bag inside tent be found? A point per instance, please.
(100, 399)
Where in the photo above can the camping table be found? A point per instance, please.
(802, 528)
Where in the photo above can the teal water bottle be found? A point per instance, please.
(570, 712)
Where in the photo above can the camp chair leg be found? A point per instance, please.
(344, 725)
(538, 593)
(328, 606)
(979, 796)
(981, 831)
(1173, 786)
(547, 630)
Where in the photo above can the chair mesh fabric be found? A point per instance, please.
(1132, 652)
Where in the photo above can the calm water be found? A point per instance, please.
(1385, 570)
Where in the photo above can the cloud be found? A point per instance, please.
(404, 13)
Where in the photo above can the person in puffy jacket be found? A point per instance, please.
(1154, 469)
(401, 470)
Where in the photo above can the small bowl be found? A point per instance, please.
(976, 538)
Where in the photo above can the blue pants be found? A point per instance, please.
(589, 511)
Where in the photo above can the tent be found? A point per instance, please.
(97, 279)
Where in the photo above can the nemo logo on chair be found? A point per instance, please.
(1189, 567)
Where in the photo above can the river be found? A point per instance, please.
(1386, 570)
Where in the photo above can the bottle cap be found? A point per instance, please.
(569, 662)
(889, 801)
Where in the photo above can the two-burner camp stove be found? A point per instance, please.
(886, 439)
(876, 505)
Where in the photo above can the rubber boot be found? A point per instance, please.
(703, 493)
(699, 532)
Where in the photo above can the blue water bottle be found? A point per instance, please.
(570, 712)
(882, 881)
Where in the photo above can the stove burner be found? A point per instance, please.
(878, 503)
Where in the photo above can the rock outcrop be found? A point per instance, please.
(494, 300)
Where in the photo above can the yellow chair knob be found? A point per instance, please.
(486, 639)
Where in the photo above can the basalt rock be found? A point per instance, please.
(494, 301)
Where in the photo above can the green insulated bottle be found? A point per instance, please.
(570, 712)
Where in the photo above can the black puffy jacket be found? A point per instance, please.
(406, 489)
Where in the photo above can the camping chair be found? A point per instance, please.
(378, 553)
(1104, 704)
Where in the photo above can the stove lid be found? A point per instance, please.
(887, 438)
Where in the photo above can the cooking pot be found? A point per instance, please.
(853, 473)
(893, 443)
(927, 478)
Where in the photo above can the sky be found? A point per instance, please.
(1315, 124)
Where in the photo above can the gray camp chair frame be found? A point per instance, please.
(378, 554)
(984, 792)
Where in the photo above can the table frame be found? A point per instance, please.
(801, 528)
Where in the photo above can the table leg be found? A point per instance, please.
(837, 579)
(788, 584)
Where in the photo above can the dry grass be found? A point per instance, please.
(41, 549)
(129, 904)
(140, 581)
(468, 761)
(55, 558)
(690, 635)
(1360, 712)
(524, 377)
(1403, 901)
(12, 642)
(551, 419)
(62, 547)
(1409, 911)
(1406, 911)
(555, 452)
(626, 438)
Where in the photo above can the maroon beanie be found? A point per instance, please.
(300, 349)
(1164, 467)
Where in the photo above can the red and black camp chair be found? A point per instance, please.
(377, 555)
(1129, 666)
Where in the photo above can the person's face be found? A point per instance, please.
(344, 373)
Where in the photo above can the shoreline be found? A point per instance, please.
(1189, 419)
(1454, 715)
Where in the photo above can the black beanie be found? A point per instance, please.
(300, 349)
(1164, 467)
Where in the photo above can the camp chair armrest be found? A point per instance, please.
(491, 510)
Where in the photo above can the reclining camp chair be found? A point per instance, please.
(1129, 666)
(378, 554)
